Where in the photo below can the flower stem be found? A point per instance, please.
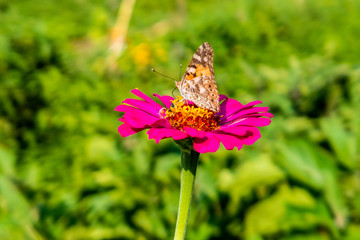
(189, 160)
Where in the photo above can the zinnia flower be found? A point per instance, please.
(234, 125)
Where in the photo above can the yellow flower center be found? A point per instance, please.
(181, 115)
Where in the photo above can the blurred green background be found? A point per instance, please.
(65, 172)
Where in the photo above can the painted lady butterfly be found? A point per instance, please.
(198, 83)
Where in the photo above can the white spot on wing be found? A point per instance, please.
(197, 79)
(197, 57)
(202, 89)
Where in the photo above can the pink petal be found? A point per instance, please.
(228, 106)
(263, 114)
(161, 123)
(166, 100)
(125, 130)
(232, 106)
(140, 94)
(209, 143)
(194, 133)
(247, 135)
(145, 106)
(253, 122)
(229, 141)
(245, 112)
(162, 129)
(222, 97)
(122, 108)
(138, 118)
(237, 136)
(253, 103)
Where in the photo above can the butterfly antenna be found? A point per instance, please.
(180, 72)
(162, 74)
(172, 92)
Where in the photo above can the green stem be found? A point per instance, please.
(189, 160)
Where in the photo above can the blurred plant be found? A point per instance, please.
(65, 173)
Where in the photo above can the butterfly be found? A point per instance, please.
(198, 83)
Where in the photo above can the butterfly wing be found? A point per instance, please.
(198, 83)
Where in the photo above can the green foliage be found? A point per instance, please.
(65, 172)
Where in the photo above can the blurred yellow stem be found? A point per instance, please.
(119, 31)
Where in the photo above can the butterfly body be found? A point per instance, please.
(198, 83)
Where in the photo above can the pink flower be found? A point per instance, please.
(234, 125)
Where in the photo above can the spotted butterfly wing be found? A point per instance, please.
(198, 83)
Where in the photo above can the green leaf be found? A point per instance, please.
(342, 142)
(254, 174)
(289, 209)
(298, 161)
(324, 168)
